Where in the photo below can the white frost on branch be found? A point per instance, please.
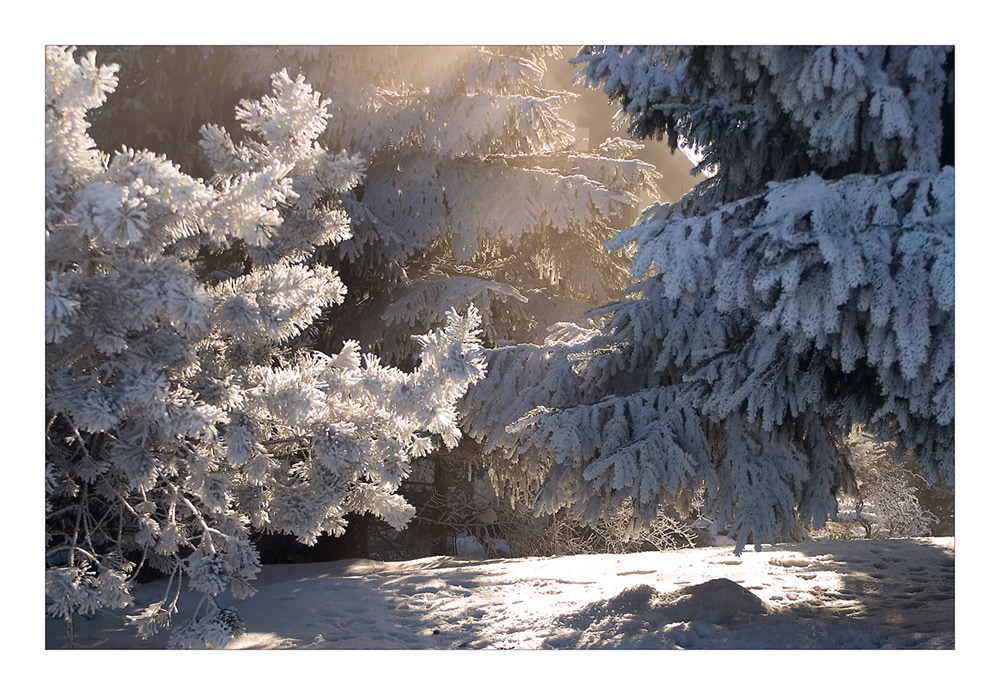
(805, 288)
(182, 409)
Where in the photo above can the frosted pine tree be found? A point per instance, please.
(474, 190)
(806, 286)
(474, 193)
(183, 406)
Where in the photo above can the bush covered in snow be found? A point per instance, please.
(886, 502)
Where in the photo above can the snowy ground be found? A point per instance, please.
(890, 594)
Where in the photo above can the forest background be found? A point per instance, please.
(921, 23)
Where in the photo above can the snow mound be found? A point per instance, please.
(642, 617)
(718, 601)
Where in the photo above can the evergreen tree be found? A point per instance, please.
(807, 285)
(183, 406)
(474, 191)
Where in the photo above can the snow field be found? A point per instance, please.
(813, 595)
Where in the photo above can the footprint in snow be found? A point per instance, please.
(790, 561)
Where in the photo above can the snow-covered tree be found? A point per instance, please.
(886, 504)
(183, 407)
(806, 286)
(475, 191)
